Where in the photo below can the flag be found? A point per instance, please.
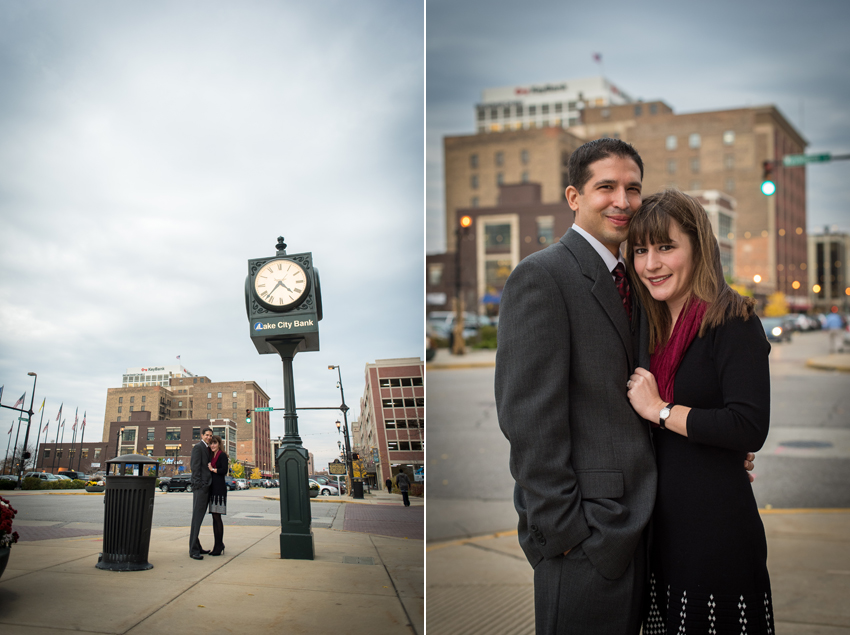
(84, 419)
(59, 416)
(42, 404)
(45, 426)
(178, 357)
(74, 427)
(20, 402)
(597, 57)
(10, 429)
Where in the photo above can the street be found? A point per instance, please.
(805, 462)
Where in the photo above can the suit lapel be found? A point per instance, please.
(603, 287)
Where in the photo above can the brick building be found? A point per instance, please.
(183, 396)
(829, 263)
(390, 432)
(721, 151)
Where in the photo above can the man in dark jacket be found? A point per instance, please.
(389, 484)
(404, 485)
(201, 480)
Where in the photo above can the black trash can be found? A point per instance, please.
(357, 488)
(128, 515)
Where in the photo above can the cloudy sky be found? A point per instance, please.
(694, 56)
(149, 149)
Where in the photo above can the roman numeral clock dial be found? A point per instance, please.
(281, 285)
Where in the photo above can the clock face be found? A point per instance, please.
(280, 284)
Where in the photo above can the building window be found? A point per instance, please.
(694, 140)
(473, 181)
(172, 434)
(730, 186)
(532, 110)
(672, 144)
(219, 405)
(389, 424)
(500, 178)
(435, 274)
(234, 394)
(729, 138)
(96, 454)
(671, 166)
(416, 446)
(149, 450)
(235, 405)
(724, 222)
(131, 408)
(209, 395)
(500, 158)
(209, 406)
(59, 454)
(132, 399)
(144, 399)
(172, 450)
(219, 395)
(119, 409)
(696, 185)
(638, 110)
(653, 109)
(196, 434)
(523, 156)
(544, 109)
(695, 165)
(473, 202)
(497, 238)
(481, 114)
(545, 230)
(151, 433)
(47, 454)
(120, 399)
(179, 404)
(524, 177)
(119, 418)
(416, 381)
(392, 446)
(559, 107)
(194, 380)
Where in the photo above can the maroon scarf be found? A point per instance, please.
(215, 457)
(665, 361)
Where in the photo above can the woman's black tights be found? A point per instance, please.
(218, 532)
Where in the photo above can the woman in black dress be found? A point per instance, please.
(708, 393)
(218, 465)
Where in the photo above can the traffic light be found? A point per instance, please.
(466, 222)
(247, 416)
(768, 187)
(355, 456)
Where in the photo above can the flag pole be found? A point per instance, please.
(17, 434)
(38, 436)
(63, 437)
(6, 464)
(82, 434)
(56, 446)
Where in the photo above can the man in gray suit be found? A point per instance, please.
(569, 338)
(201, 480)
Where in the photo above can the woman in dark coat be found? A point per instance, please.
(708, 394)
(218, 492)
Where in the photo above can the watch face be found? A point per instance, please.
(280, 284)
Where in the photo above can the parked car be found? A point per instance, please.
(71, 474)
(325, 489)
(241, 483)
(44, 476)
(179, 483)
(231, 483)
(776, 329)
(442, 322)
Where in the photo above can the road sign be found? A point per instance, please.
(336, 468)
(793, 160)
(263, 409)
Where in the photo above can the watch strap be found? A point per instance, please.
(662, 421)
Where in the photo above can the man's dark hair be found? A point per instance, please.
(591, 152)
(204, 429)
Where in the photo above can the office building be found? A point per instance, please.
(830, 270)
(390, 433)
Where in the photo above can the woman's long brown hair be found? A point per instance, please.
(651, 225)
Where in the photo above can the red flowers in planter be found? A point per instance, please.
(7, 513)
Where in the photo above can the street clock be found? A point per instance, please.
(283, 300)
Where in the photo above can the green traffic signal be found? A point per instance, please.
(768, 188)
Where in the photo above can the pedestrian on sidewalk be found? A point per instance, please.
(404, 485)
(218, 466)
(389, 484)
(835, 327)
(201, 479)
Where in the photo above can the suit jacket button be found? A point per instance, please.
(542, 541)
(533, 528)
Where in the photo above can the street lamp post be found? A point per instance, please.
(348, 462)
(24, 453)
(118, 442)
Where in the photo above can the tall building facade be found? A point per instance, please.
(828, 261)
(721, 151)
(193, 397)
(390, 432)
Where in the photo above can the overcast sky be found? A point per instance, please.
(694, 56)
(149, 149)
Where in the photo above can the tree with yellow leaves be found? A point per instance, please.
(776, 305)
(237, 470)
(255, 473)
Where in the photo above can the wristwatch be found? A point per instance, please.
(663, 416)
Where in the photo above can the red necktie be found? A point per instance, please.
(623, 287)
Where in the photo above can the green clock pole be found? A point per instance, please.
(296, 536)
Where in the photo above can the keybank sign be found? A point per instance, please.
(283, 325)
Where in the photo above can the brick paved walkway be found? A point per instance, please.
(397, 521)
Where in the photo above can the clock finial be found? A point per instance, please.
(281, 246)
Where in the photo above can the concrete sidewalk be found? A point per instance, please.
(358, 583)
(485, 584)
